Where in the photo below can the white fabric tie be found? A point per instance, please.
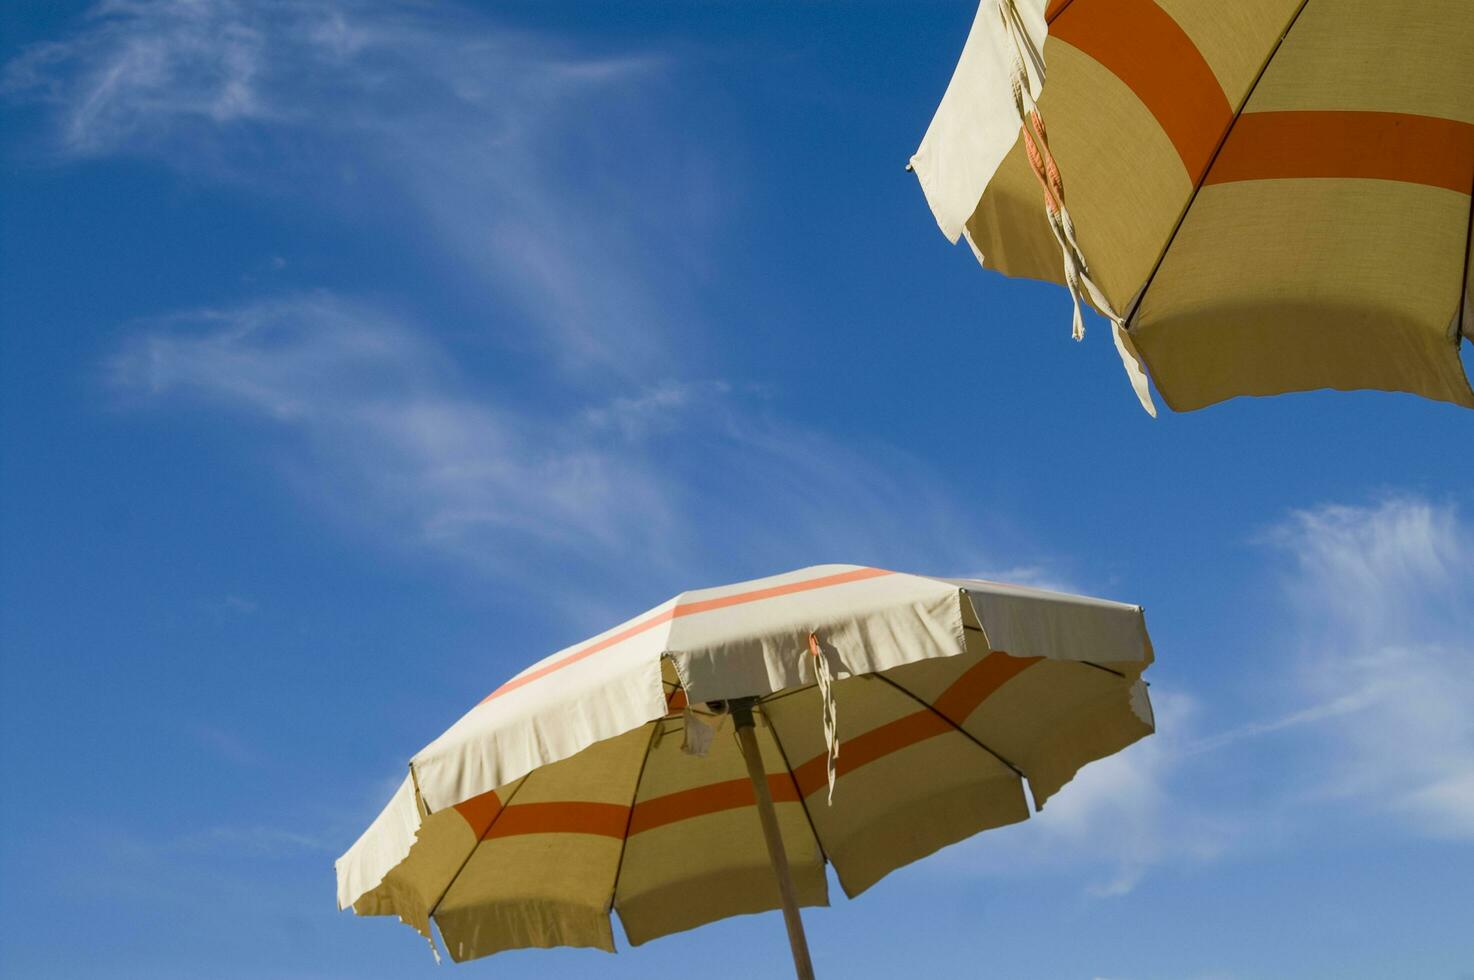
(697, 733)
(831, 718)
(1077, 272)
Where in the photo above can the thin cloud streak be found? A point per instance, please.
(1382, 599)
(1340, 707)
(353, 397)
(526, 161)
(1378, 635)
(383, 411)
(1117, 820)
(529, 163)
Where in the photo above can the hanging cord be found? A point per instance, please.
(1046, 170)
(831, 718)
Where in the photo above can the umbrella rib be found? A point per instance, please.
(1092, 663)
(813, 829)
(624, 842)
(965, 733)
(1463, 287)
(1202, 177)
(1088, 663)
(467, 860)
(789, 692)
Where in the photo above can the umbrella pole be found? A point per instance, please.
(757, 772)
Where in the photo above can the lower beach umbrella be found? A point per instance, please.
(877, 715)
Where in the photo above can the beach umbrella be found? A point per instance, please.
(877, 717)
(1261, 196)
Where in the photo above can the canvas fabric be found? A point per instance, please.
(1274, 194)
(565, 795)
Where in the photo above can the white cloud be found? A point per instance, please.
(393, 436)
(1117, 819)
(239, 604)
(656, 409)
(253, 841)
(1038, 576)
(561, 180)
(227, 745)
(1377, 636)
(1382, 599)
(143, 67)
(543, 173)
(373, 422)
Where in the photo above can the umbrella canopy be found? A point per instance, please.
(1264, 196)
(602, 778)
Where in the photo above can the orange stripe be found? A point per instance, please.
(603, 819)
(1330, 143)
(840, 578)
(875, 744)
(690, 609)
(1055, 8)
(981, 679)
(958, 701)
(1142, 45)
(701, 800)
(480, 811)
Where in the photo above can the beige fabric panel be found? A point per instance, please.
(411, 889)
(1037, 623)
(534, 890)
(444, 842)
(1233, 38)
(1296, 284)
(906, 787)
(1124, 183)
(1056, 717)
(696, 851)
(544, 871)
(1048, 720)
(928, 682)
(1371, 55)
(1306, 278)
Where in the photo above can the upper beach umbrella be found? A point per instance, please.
(878, 716)
(1263, 196)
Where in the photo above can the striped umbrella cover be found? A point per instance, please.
(574, 790)
(1264, 195)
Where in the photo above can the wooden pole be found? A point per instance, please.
(742, 716)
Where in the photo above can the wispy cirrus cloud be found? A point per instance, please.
(1119, 818)
(140, 74)
(373, 421)
(1382, 604)
(527, 162)
(381, 426)
(1377, 637)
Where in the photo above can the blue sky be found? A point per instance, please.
(357, 354)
